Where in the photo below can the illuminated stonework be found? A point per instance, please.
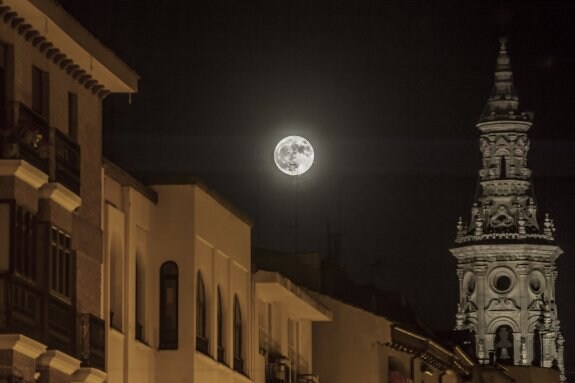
(505, 256)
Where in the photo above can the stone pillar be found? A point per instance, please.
(460, 278)
(522, 271)
(480, 269)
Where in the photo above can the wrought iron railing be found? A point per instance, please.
(29, 310)
(91, 347)
(221, 354)
(60, 325)
(27, 137)
(238, 364)
(202, 344)
(30, 138)
(21, 307)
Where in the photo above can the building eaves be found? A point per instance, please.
(182, 179)
(126, 179)
(61, 38)
(263, 278)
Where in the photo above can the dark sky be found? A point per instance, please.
(387, 92)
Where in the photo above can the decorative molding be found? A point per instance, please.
(22, 344)
(89, 375)
(22, 170)
(61, 195)
(48, 49)
(59, 361)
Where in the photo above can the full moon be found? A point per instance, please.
(293, 155)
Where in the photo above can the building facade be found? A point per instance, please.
(184, 302)
(285, 315)
(506, 254)
(53, 77)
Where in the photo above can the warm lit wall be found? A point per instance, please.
(127, 221)
(194, 229)
(359, 338)
(85, 225)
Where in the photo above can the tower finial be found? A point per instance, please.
(503, 103)
(503, 44)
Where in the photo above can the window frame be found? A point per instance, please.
(238, 336)
(59, 286)
(169, 335)
(221, 348)
(24, 244)
(202, 340)
(40, 85)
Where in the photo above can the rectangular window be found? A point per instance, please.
(40, 91)
(61, 264)
(263, 326)
(24, 255)
(140, 298)
(73, 116)
(293, 354)
(3, 84)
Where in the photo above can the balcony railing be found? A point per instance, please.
(91, 341)
(61, 325)
(221, 354)
(21, 307)
(27, 139)
(26, 309)
(46, 148)
(238, 364)
(202, 344)
(308, 378)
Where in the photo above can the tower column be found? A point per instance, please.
(480, 270)
(522, 271)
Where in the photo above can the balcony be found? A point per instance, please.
(46, 148)
(26, 309)
(29, 139)
(221, 354)
(307, 378)
(278, 369)
(202, 344)
(91, 341)
(21, 307)
(239, 364)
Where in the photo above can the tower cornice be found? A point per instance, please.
(514, 252)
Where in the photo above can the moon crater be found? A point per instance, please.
(294, 155)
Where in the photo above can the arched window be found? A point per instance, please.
(504, 345)
(221, 347)
(238, 339)
(169, 306)
(397, 372)
(202, 342)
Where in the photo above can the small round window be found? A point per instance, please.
(502, 280)
(502, 283)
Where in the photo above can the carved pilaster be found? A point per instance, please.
(523, 351)
(522, 270)
(560, 360)
(480, 269)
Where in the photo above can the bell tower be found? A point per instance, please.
(506, 255)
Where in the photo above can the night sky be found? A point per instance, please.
(388, 93)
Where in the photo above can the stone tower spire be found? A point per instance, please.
(505, 255)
